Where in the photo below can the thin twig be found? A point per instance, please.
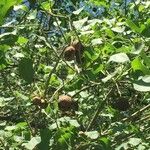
(50, 74)
(136, 113)
(99, 107)
(58, 89)
(85, 88)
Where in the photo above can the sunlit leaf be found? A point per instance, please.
(5, 5)
(96, 41)
(118, 29)
(22, 40)
(138, 65)
(135, 141)
(32, 143)
(79, 24)
(141, 86)
(119, 58)
(146, 78)
(92, 134)
(47, 5)
(32, 15)
(77, 12)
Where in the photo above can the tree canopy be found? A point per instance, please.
(74, 74)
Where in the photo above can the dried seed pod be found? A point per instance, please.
(79, 49)
(65, 103)
(69, 53)
(121, 104)
(78, 45)
(38, 101)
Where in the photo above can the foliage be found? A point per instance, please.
(109, 80)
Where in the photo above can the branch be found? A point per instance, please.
(52, 71)
(137, 113)
(99, 108)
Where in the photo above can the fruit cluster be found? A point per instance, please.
(74, 52)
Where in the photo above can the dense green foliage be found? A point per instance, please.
(109, 79)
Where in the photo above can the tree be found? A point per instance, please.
(74, 74)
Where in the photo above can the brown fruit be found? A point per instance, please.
(121, 104)
(78, 50)
(38, 101)
(69, 53)
(78, 45)
(65, 103)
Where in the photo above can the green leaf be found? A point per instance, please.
(74, 123)
(5, 5)
(32, 15)
(141, 85)
(79, 24)
(119, 58)
(138, 47)
(21, 7)
(100, 3)
(92, 134)
(46, 135)
(2, 102)
(32, 143)
(118, 29)
(3, 62)
(135, 141)
(26, 69)
(97, 41)
(145, 28)
(146, 79)
(47, 5)
(54, 81)
(97, 68)
(146, 59)
(22, 40)
(9, 38)
(77, 12)
(133, 26)
(10, 128)
(138, 65)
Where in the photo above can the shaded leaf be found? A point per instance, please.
(26, 69)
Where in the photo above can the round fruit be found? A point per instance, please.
(121, 104)
(65, 103)
(78, 46)
(69, 53)
(38, 101)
